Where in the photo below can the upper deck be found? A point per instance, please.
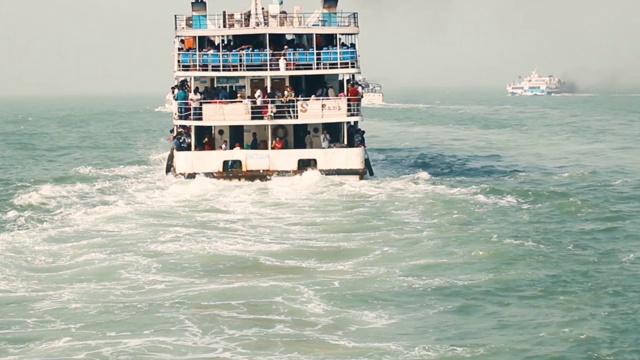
(273, 19)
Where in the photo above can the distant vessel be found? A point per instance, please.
(371, 92)
(169, 103)
(535, 84)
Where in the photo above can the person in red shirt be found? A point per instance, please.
(353, 99)
(277, 144)
(208, 143)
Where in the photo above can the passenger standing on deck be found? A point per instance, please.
(195, 103)
(351, 133)
(326, 139)
(224, 95)
(182, 101)
(208, 142)
(358, 139)
(359, 102)
(330, 92)
(353, 99)
(254, 141)
(308, 140)
(277, 144)
(256, 111)
(290, 99)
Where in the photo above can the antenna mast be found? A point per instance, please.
(257, 17)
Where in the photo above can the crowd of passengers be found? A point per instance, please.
(274, 104)
(276, 53)
(188, 45)
(181, 141)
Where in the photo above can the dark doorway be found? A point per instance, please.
(335, 131)
(200, 132)
(299, 133)
(277, 84)
(236, 135)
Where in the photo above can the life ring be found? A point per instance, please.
(280, 131)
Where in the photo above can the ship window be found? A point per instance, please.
(231, 165)
(304, 164)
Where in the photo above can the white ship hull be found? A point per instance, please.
(372, 99)
(264, 164)
(371, 93)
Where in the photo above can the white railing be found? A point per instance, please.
(242, 20)
(256, 60)
(270, 109)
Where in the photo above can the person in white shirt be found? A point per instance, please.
(258, 96)
(326, 139)
(308, 140)
(330, 92)
(290, 100)
(195, 98)
(256, 109)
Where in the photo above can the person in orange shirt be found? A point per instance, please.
(277, 144)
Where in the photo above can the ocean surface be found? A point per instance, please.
(494, 228)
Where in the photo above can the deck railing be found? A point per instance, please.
(246, 60)
(268, 109)
(242, 20)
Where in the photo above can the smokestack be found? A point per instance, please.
(330, 5)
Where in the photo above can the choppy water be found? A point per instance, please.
(495, 228)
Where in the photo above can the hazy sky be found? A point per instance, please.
(104, 46)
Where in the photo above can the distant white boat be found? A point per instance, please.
(371, 92)
(169, 104)
(535, 84)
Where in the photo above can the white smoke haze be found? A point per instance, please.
(121, 46)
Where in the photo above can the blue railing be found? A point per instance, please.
(255, 60)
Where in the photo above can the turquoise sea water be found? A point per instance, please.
(495, 228)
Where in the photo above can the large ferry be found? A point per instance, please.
(264, 91)
(536, 84)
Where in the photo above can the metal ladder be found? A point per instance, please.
(257, 17)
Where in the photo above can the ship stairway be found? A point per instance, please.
(314, 19)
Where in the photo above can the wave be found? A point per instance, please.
(398, 105)
(575, 94)
(165, 109)
(106, 199)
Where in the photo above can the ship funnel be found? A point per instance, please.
(330, 5)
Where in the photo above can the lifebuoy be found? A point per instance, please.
(280, 131)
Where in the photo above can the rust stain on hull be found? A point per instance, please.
(268, 174)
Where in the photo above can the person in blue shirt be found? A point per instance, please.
(182, 98)
(176, 142)
(254, 141)
(358, 140)
(224, 95)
